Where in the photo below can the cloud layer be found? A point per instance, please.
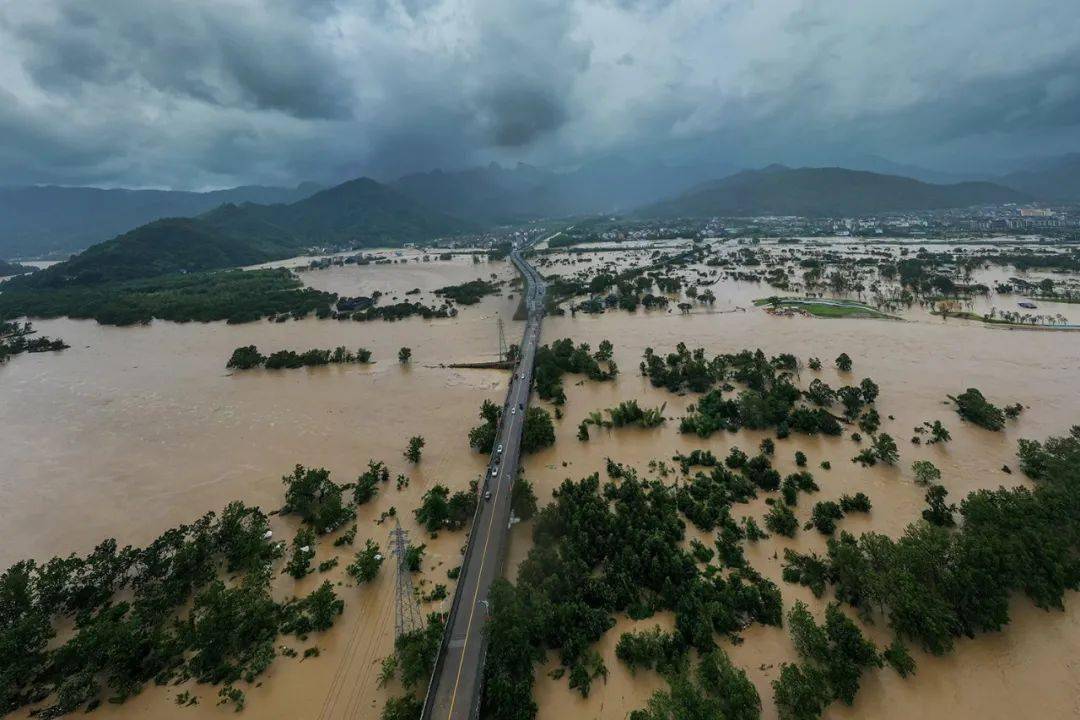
(207, 93)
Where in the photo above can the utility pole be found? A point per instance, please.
(406, 610)
(504, 351)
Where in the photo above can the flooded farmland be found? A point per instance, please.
(134, 430)
(1033, 660)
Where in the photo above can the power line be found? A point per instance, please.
(504, 351)
(406, 609)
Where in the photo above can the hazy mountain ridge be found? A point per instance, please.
(820, 192)
(55, 220)
(52, 220)
(1051, 179)
(359, 212)
(498, 195)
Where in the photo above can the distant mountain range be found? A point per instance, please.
(55, 221)
(360, 212)
(1053, 179)
(497, 195)
(48, 220)
(823, 192)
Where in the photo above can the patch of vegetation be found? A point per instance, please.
(625, 413)
(537, 430)
(717, 689)
(769, 400)
(825, 308)
(523, 499)
(439, 510)
(310, 493)
(936, 584)
(601, 549)
(834, 657)
(560, 357)
(16, 338)
(236, 296)
(158, 613)
(468, 293)
(973, 407)
(397, 311)
(415, 448)
(248, 357)
(482, 437)
(365, 566)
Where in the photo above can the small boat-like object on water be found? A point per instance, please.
(1027, 305)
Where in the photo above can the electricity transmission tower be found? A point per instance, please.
(406, 610)
(504, 351)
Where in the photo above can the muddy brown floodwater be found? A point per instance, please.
(134, 430)
(1033, 663)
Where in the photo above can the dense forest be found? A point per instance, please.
(235, 295)
(604, 549)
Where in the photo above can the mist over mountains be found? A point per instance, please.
(825, 192)
(51, 220)
(56, 221)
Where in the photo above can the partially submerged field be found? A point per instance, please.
(916, 366)
(134, 430)
(823, 308)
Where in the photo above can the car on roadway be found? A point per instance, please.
(494, 470)
(487, 495)
(513, 411)
(499, 449)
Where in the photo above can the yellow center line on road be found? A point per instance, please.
(476, 592)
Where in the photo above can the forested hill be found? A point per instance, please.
(1055, 179)
(357, 213)
(778, 190)
(162, 247)
(360, 211)
(9, 268)
(52, 220)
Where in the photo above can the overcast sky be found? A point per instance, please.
(211, 93)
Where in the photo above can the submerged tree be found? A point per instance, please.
(413, 451)
(365, 566)
(537, 430)
(973, 407)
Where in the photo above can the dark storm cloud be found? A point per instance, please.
(215, 54)
(515, 116)
(215, 92)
